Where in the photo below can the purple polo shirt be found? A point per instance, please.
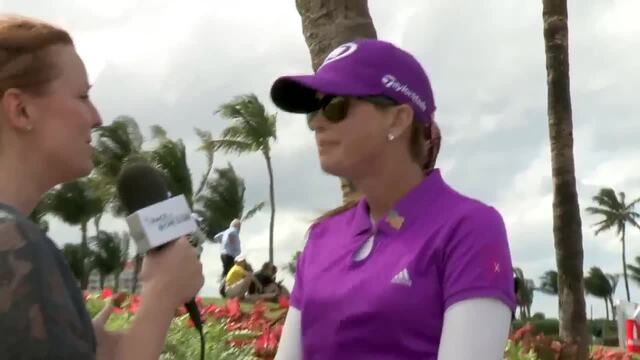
(436, 248)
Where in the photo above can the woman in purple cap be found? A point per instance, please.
(413, 270)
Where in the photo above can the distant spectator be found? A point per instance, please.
(230, 241)
(266, 277)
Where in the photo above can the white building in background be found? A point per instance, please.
(126, 279)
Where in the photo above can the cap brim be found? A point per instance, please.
(298, 94)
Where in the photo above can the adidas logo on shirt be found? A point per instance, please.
(402, 278)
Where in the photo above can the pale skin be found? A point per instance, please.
(44, 141)
(358, 148)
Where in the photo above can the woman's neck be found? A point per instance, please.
(385, 188)
(21, 186)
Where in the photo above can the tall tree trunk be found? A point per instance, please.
(613, 309)
(326, 24)
(606, 306)
(567, 225)
(116, 282)
(102, 278)
(96, 223)
(136, 272)
(624, 263)
(84, 249)
(272, 204)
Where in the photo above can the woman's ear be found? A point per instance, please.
(401, 120)
(14, 106)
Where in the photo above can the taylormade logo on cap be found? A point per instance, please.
(391, 82)
(340, 52)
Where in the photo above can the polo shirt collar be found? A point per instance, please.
(406, 210)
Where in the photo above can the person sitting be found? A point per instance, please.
(238, 278)
(266, 277)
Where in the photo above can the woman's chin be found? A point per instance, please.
(334, 168)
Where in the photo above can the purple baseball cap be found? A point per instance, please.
(360, 68)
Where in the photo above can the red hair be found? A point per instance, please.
(25, 58)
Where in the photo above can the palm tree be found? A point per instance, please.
(39, 213)
(567, 224)
(292, 265)
(601, 285)
(635, 270)
(223, 200)
(108, 255)
(171, 158)
(524, 293)
(326, 24)
(252, 130)
(76, 203)
(616, 214)
(124, 244)
(549, 283)
(116, 145)
(74, 257)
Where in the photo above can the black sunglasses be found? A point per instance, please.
(335, 108)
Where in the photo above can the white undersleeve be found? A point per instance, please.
(475, 329)
(290, 347)
(472, 329)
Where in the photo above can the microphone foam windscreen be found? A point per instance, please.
(141, 185)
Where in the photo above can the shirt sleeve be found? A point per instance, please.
(477, 259)
(22, 323)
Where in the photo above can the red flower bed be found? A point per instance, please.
(258, 329)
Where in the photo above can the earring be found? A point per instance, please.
(391, 137)
(28, 127)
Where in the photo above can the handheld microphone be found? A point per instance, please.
(154, 217)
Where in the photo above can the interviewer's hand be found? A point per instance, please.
(173, 273)
(107, 341)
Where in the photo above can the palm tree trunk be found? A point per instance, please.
(136, 272)
(96, 223)
(624, 263)
(606, 306)
(116, 282)
(567, 225)
(84, 248)
(613, 310)
(326, 24)
(272, 204)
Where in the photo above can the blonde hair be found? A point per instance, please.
(25, 59)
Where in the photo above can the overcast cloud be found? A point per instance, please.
(173, 63)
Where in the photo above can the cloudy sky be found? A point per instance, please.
(173, 63)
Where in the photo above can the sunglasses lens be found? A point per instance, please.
(336, 110)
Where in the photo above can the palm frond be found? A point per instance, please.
(634, 270)
(607, 198)
(253, 211)
(602, 211)
(158, 132)
(170, 157)
(221, 201)
(633, 204)
(233, 146)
